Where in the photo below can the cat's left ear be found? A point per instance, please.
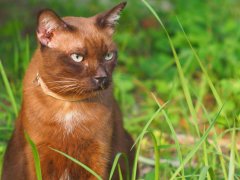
(109, 19)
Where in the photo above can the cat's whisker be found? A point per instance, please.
(62, 87)
(52, 82)
(63, 77)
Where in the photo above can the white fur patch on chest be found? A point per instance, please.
(65, 175)
(69, 120)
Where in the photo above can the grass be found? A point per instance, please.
(189, 61)
(35, 157)
(115, 163)
(8, 89)
(79, 163)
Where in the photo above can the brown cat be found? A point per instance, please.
(68, 102)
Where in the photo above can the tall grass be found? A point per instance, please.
(115, 163)
(79, 163)
(139, 140)
(190, 102)
(180, 71)
(35, 156)
(8, 89)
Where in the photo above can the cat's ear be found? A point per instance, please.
(48, 23)
(109, 19)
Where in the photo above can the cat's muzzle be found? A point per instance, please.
(102, 82)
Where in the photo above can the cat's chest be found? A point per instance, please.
(83, 118)
(71, 119)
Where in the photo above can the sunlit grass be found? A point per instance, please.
(8, 89)
(35, 156)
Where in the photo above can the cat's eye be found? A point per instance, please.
(76, 57)
(109, 56)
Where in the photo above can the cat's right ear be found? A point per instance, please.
(109, 19)
(48, 23)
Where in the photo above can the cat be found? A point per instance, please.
(68, 101)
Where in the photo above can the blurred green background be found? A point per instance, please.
(146, 63)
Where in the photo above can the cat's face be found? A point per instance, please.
(78, 54)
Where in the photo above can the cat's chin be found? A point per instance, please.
(101, 87)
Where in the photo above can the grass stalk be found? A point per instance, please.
(213, 89)
(196, 147)
(157, 156)
(205, 155)
(210, 83)
(35, 156)
(115, 162)
(174, 134)
(9, 89)
(217, 147)
(139, 140)
(120, 172)
(78, 163)
(180, 70)
(231, 169)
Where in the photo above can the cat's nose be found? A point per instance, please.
(101, 81)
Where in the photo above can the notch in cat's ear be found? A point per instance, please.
(48, 23)
(109, 19)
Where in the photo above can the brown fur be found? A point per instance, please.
(95, 134)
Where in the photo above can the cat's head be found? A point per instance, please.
(78, 54)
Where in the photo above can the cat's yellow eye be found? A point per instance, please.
(109, 56)
(76, 57)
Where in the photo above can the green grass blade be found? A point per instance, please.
(231, 169)
(237, 157)
(196, 147)
(8, 88)
(211, 173)
(157, 156)
(35, 156)
(192, 176)
(210, 83)
(174, 134)
(213, 89)
(180, 70)
(202, 92)
(217, 146)
(155, 162)
(120, 172)
(78, 162)
(139, 139)
(157, 159)
(205, 155)
(148, 123)
(203, 173)
(134, 171)
(115, 162)
(16, 59)
(228, 130)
